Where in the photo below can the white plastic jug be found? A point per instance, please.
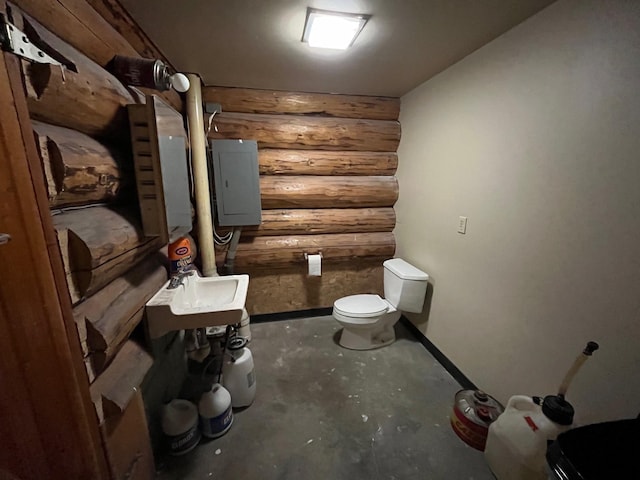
(180, 426)
(517, 440)
(216, 416)
(238, 375)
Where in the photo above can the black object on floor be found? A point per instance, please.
(600, 451)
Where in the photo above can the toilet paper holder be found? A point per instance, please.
(306, 255)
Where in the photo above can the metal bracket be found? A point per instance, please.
(16, 41)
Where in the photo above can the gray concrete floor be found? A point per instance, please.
(323, 412)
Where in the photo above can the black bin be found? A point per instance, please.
(602, 451)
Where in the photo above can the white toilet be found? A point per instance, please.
(368, 320)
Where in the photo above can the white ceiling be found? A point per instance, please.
(256, 43)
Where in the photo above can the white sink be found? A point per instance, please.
(197, 302)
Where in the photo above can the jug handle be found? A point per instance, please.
(521, 403)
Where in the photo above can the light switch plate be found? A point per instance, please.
(462, 225)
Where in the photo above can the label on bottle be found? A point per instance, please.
(180, 255)
(215, 426)
(179, 444)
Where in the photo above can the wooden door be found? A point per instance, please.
(47, 424)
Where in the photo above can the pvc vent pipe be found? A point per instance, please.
(201, 176)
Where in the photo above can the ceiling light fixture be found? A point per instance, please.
(337, 30)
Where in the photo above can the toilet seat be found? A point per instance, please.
(361, 306)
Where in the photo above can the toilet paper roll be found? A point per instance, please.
(315, 265)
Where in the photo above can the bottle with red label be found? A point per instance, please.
(517, 440)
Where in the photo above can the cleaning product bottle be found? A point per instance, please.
(180, 426)
(180, 256)
(216, 416)
(517, 440)
(238, 374)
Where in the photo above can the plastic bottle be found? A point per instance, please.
(238, 375)
(180, 255)
(517, 440)
(180, 426)
(216, 416)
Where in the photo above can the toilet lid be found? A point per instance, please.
(361, 305)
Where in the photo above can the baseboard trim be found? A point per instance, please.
(276, 317)
(448, 365)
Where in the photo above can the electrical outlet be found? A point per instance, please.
(462, 225)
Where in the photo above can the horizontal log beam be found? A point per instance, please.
(327, 191)
(112, 391)
(111, 314)
(78, 169)
(90, 100)
(315, 133)
(318, 162)
(86, 26)
(103, 243)
(323, 220)
(247, 100)
(280, 250)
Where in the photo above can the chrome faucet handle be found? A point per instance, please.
(178, 278)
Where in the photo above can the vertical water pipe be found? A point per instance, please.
(201, 176)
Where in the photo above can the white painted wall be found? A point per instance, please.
(536, 138)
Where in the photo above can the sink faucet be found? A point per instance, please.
(178, 278)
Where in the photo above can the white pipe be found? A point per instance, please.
(201, 177)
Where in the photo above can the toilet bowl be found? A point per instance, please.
(367, 320)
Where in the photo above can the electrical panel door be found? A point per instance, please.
(237, 182)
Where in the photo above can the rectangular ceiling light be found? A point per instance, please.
(325, 29)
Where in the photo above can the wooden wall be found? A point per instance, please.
(327, 165)
(105, 268)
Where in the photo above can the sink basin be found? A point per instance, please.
(197, 302)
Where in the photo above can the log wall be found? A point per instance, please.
(100, 29)
(81, 134)
(327, 166)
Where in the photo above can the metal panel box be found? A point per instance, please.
(237, 182)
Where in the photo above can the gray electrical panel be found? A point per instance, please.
(237, 182)
(159, 146)
(175, 185)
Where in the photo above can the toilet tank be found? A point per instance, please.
(404, 285)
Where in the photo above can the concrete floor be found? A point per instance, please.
(323, 412)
